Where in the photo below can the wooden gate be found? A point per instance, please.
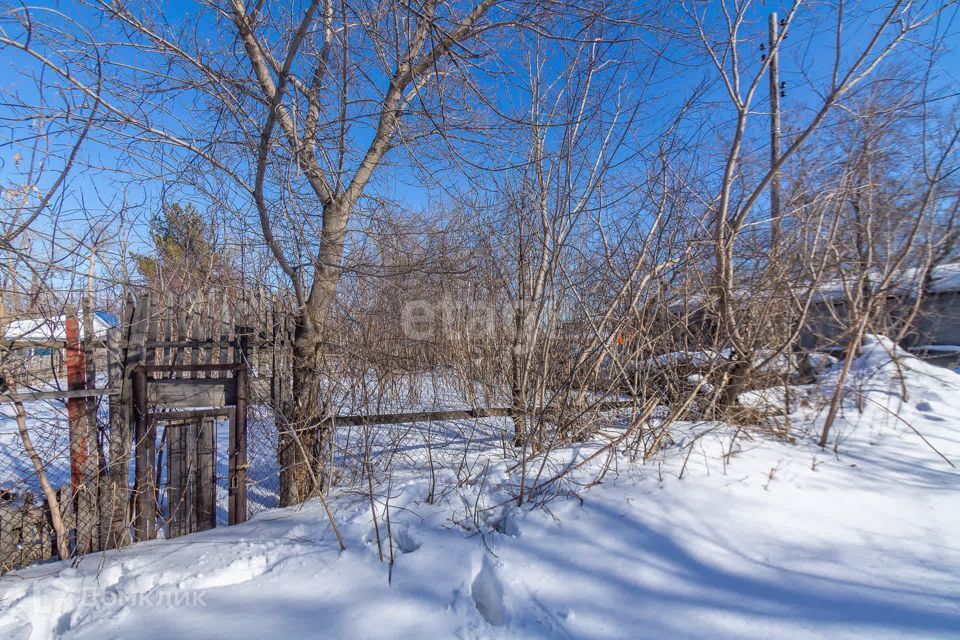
(187, 368)
(191, 476)
(180, 362)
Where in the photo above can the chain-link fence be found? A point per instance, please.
(263, 473)
(25, 533)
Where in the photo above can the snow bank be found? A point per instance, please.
(890, 390)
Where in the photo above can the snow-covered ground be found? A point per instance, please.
(422, 392)
(780, 539)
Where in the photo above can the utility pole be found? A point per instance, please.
(774, 134)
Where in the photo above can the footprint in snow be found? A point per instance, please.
(487, 593)
(928, 411)
(404, 540)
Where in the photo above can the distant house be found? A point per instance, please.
(936, 325)
(40, 329)
(934, 331)
(44, 357)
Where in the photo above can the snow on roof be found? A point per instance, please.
(53, 328)
(944, 278)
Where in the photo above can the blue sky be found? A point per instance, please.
(805, 61)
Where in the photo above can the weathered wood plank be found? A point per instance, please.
(153, 329)
(67, 514)
(226, 332)
(212, 329)
(206, 475)
(190, 434)
(93, 428)
(179, 355)
(188, 343)
(145, 435)
(196, 353)
(164, 336)
(33, 344)
(206, 368)
(137, 337)
(65, 394)
(9, 537)
(117, 499)
(24, 535)
(183, 393)
(186, 414)
(175, 479)
(87, 517)
(191, 476)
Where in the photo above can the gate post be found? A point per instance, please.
(238, 441)
(144, 440)
(76, 407)
(81, 501)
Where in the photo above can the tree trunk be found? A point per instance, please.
(737, 377)
(836, 400)
(517, 409)
(305, 436)
(56, 515)
(300, 444)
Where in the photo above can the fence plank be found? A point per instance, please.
(178, 358)
(175, 479)
(144, 429)
(136, 343)
(195, 335)
(238, 448)
(181, 393)
(226, 333)
(65, 394)
(9, 537)
(190, 475)
(25, 534)
(93, 426)
(211, 330)
(206, 475)
(120, 438)
(67, 514)
(168, 333)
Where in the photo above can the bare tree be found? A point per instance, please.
(739, 190)
(324, 92)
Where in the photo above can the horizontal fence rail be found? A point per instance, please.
(65, 394)
(456, 414)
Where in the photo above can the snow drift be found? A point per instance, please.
(780, 539)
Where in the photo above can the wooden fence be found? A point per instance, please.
(181, 365)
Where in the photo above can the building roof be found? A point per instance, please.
(905, 283)
(52, 328)
(944, 278)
